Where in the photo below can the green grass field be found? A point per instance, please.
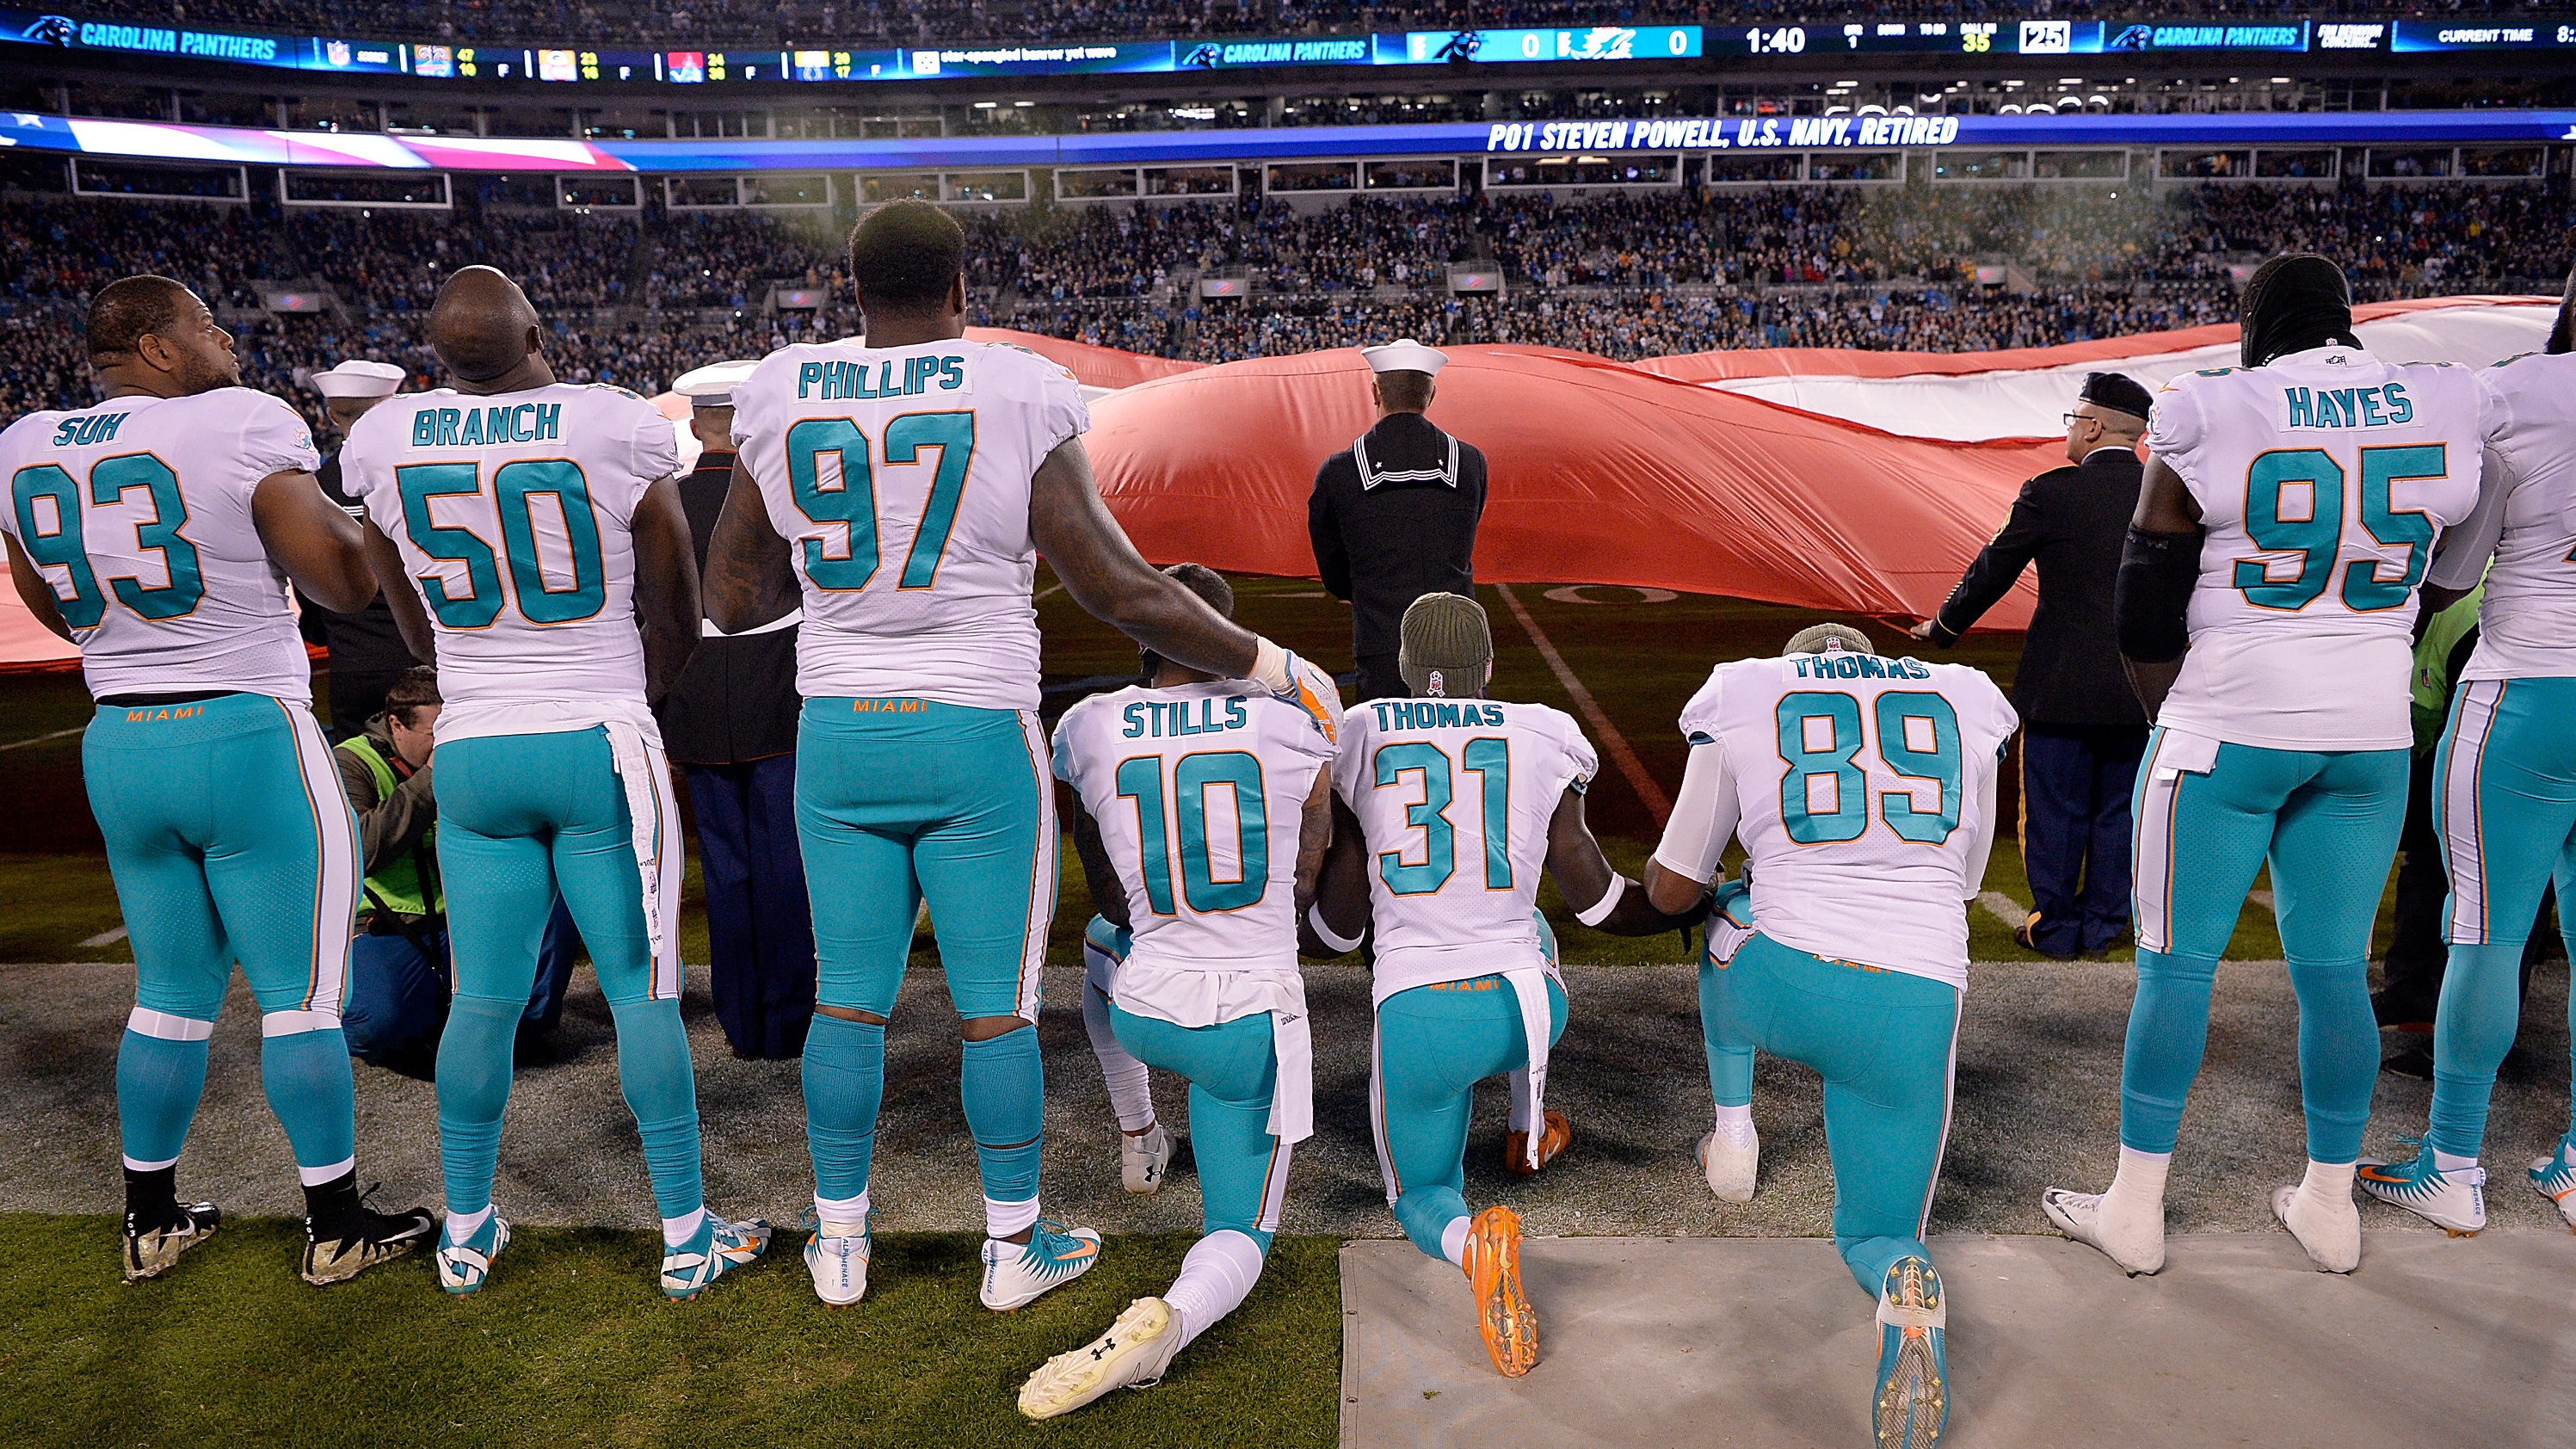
(575, 1346)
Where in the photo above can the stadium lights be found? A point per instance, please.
(2280, 80)
(986, 105)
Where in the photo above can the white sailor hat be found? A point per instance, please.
(1405, 355)
(358, 377)
(712, 386)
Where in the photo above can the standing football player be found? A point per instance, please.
(159, 530)
(2505, 773)
(904, 486)
(2287, 515)
(1456, 803)
(1206, 807)
(529, 532)
(1863, 789)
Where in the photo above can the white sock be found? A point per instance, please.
(2330, 1182)
(841, 1217)
(1220, 1269)
(2139, 1185)
(2452, 1161)
(676, 1231)
(1735, 1124)
(1002, 1219)
(1520, 1112)
(1130, 1084)
(461, 1226)
(316, 1176)
(1453, 1241)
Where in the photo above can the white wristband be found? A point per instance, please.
(1270, 667)
(1342, 945)
(1600, 910)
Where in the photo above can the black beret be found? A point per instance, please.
(2116, 391)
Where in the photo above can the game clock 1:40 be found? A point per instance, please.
(1782, 40)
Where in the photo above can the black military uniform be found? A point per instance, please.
(2083, 729)
(729, 723)
(1393, 518)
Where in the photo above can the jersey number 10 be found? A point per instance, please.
(1820, 732)
(1141, 779)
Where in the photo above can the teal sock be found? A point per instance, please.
(662, 1092)
(1425, 1214)
(158, 1082)
(473, 1089)
(1004, 1089)
(2168, 1034)
(1730, 1069)
(844, 1085)
(307, 1077)
(2481, 1009)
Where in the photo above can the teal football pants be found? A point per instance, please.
(1885, 1043)
(2328, 823)
(1434, 1044)
(229, 839)
(1243, 1170)
(2504, 806)
(522, 817)
(898, 801)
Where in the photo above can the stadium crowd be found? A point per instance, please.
(967, 21)
(638, 300)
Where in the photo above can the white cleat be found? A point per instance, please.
(2137, 1246)
(1142, 1158)
(464, 1266)
(837, 1255)
(2329, 1230)
(1016, 1273)
(1728, 1165)
(1132, 1354)
(2554, 1178)
(2454, 1200)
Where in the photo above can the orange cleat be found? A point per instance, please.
(1503, 1312)
(1555, 1135)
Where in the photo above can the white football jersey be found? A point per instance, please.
(138, 512)
(513, 513)
(2323, 480)
(1861, 784)
(1454, 798)
(1199, 791)
(2526, 522)
(900, 479)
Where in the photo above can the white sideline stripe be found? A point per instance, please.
(105, 938)
(1051, 589)
(1611, 740)
(2261, 898)
(2003, 908)
(40, 739)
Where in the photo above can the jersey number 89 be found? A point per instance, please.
(1820, 732)
(62, 546)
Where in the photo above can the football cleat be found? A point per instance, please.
(1913, 1404)
(1728, 1166)
(1142, 1158)
(150, 1253)
(463, 1267)
(380, 1237)
(1016, 1273)
(1503, 1312)
(2554, 1178)
(2136, 1247)
(715, 1249)
(2454, 1200)
(1555, 1135)
(837, 1256)
(1132, 1354)
(2330, 1230)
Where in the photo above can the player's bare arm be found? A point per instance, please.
(1583, 875)
(749, 580)
(1111, 581)
(411, 616)
(666, 587)
(2157, 568)
(1314, 840)
(1108, 897)
(35, 592)
(314, 540)
(1341, 902)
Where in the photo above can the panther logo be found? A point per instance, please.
(1461, 48)
(2136, 37)
(51, 30)
(1203, 58)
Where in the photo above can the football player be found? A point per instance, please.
(529, 534)
(1144, 1148)
(903, 486)
(1451, 804)
(1863, 790)
(2505, 772)
(2287, 516)
(1206, 807)
(227, 834)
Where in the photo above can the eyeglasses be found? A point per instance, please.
(2071, 419)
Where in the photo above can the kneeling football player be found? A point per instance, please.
(1458, 803)
(1205, 816)
(1863, 790)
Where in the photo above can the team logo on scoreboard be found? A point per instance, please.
(2047, 37)
(51, 30)
(1205, 57)
(2135, 37)
(1461, 47)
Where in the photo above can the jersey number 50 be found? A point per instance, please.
(62, 546)
(514, 485)
(1918, 739)
(851, 501)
